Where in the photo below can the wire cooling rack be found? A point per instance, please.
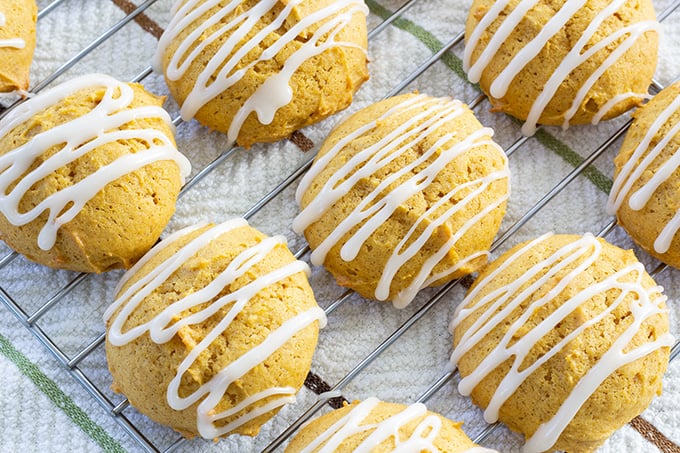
(81, 360)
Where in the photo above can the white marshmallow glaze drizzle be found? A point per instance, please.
(422, 439)
(428, 115)
(78, 137)
(632, 171)
(16, 43)
(502, 301)
(574, 58)
(219, 73)
(163, 327)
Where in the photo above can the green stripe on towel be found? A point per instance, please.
(424, 36)
(565, 152)
(456, 65)
(58, 397)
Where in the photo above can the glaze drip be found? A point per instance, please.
(579, 53)
(220, 72)
(77, 137)
(615, 100)
(428, 115)
(575, 258)
(163, 327)
(638, 164)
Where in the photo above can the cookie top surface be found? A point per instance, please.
(90, 174)
(405, 194)
(17, 43)
(259, 70)
(569, 326)
(213, 330)
(559, 63)
(381, 427)
(645, 195)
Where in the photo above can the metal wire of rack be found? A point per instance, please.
(119, 409)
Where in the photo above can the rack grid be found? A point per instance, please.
(35, 315)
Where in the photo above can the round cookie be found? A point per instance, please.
(564, 339)
(405, 194)
(213, 330)
(558, 63)
(260, 70)
(418, 430)
(89, 174)
(645, 195)
(17, 43)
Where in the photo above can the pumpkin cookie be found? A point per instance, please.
(259, 70)
(645, 195)
(89, 174)
(405, 194)
(564, 339)
(379, 427)
(558, 63)
(213, 330)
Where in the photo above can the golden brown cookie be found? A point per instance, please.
(259, 70)
(418, 430)
(564, 339)
(646, 192)
(213, 330)
(89, 174)
(17, 43)
(559, 63)
(404, 194)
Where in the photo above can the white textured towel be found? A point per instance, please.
(44, 409)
